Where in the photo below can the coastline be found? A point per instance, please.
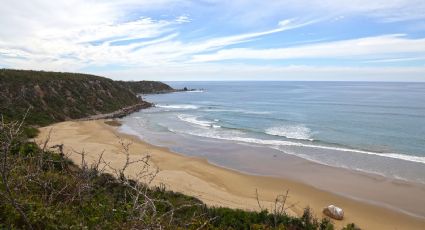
(119, 113)
(220, 186)
(132, 108)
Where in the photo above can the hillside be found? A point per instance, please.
(54, 96)
(146, 86)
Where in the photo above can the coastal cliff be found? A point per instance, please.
(54, 96)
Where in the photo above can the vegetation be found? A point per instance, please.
(146, 86)
(53, 96)
(41, 189)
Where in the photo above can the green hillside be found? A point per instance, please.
(146, 86)
(54, 96)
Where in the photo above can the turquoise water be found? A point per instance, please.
(371, 127)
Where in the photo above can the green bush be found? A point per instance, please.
(31, 132)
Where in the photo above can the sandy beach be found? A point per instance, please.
(214, 185)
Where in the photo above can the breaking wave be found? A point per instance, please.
(196, 121)
(299, 132)
(177, 106)
(274, 143)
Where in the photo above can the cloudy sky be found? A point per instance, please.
(375, 40)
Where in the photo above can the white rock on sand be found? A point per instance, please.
(334, 212)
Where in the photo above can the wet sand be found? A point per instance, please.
(218, 186)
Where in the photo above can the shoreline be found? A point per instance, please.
(220, 186)
(372, 188)
(360, 173)
(355, 178)
(119, 113)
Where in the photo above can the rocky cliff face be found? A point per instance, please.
(53, 96)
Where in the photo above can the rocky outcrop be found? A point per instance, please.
(119, 113)
(334, 212)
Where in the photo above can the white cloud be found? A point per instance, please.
(385, 10)
(183, 19)
(361, 48)
(81, 34)
(95, 43)
(26, 18)
(401, 9)
(396, 60)
(69, 35)
(236, 72)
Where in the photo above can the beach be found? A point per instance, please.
(217, 186)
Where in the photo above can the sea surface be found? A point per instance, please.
(370, 127)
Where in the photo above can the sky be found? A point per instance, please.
(168, 40)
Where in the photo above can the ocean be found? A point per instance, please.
(371, 127)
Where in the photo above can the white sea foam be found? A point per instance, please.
(232, 137)
(291, 131)
(196, 121)
(128, 130)
(195, 91)
(177, 106)
(238, 111)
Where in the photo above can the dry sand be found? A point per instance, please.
(215, 185)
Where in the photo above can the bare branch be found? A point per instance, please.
(258, 200)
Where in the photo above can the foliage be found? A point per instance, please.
(54, 96)
(146, 87)
(351, 227)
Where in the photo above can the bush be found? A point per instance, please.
(31, 132)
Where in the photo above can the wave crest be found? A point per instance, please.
(196, 121)
(276, 143)
(177, 106)
(299, 132)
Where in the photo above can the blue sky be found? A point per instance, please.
(381, 40)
